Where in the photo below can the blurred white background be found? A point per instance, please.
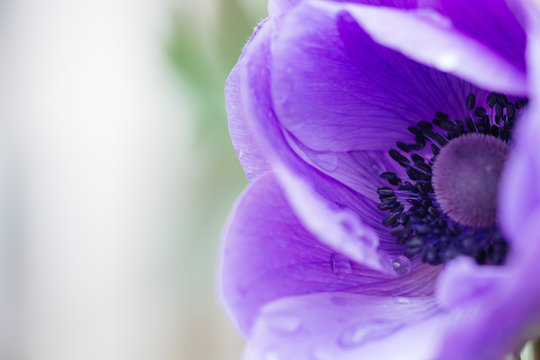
(116, 176)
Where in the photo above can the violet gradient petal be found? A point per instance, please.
(501, 321)
(519, 197)
(429, 38)
(329, 326)
(335, 89)
(280, 7)
(463, 282)
(267, 254)
(359, 223)
(247, 150)
(359, 170)
(511, 311)
(490, 22)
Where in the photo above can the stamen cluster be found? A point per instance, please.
(414, 216)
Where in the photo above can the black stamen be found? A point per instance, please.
(414, 217)
(480, 112)
(394, 154)
(442, 115)
(470, 101)
(415, 130)
(424, 125)
(403, 147)
(384, 191)
(446, 125)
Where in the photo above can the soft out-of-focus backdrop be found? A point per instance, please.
(116, 176)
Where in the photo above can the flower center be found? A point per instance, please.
(442, 202)
(466, 178)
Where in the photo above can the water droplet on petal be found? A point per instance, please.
(401, 265)
(434, 17)
(340, 264)
(326, 161)
(354, 336)
(366, 331)
(402, 300)
(283, 323)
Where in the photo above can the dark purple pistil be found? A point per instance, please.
(444, 202)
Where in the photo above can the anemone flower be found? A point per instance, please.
(394, 197)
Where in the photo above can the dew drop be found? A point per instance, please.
(402, 300)
(283, 323)
(354, 336)
(434, 17)
(366, 331)
(401, 265)
(340, 264)
(326, 161)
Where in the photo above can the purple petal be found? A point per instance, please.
(268, 255)
(341, 229)
(463, 282)
(356, 217)
(359, 170)
(245, 146)
(490, 22)
(342, 326)
(431, 40)
(279, 7)
(502, 319)
(510, 312)
(335, 89)
(520, 195)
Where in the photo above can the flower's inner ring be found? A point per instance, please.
(466, 177)
(440, 225)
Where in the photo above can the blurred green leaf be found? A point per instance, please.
(204, 54)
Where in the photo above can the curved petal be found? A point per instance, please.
(359, 170)
(519, 197)
(431, 40)
(267, 254)
(490, 22)
(511, 311)
(335, 89)
(520, 193)
(341, 326)
(464, 282)
(504, 318)
(358, 220)
(280, 7)
(246, 148)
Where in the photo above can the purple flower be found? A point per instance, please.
(393, 206)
